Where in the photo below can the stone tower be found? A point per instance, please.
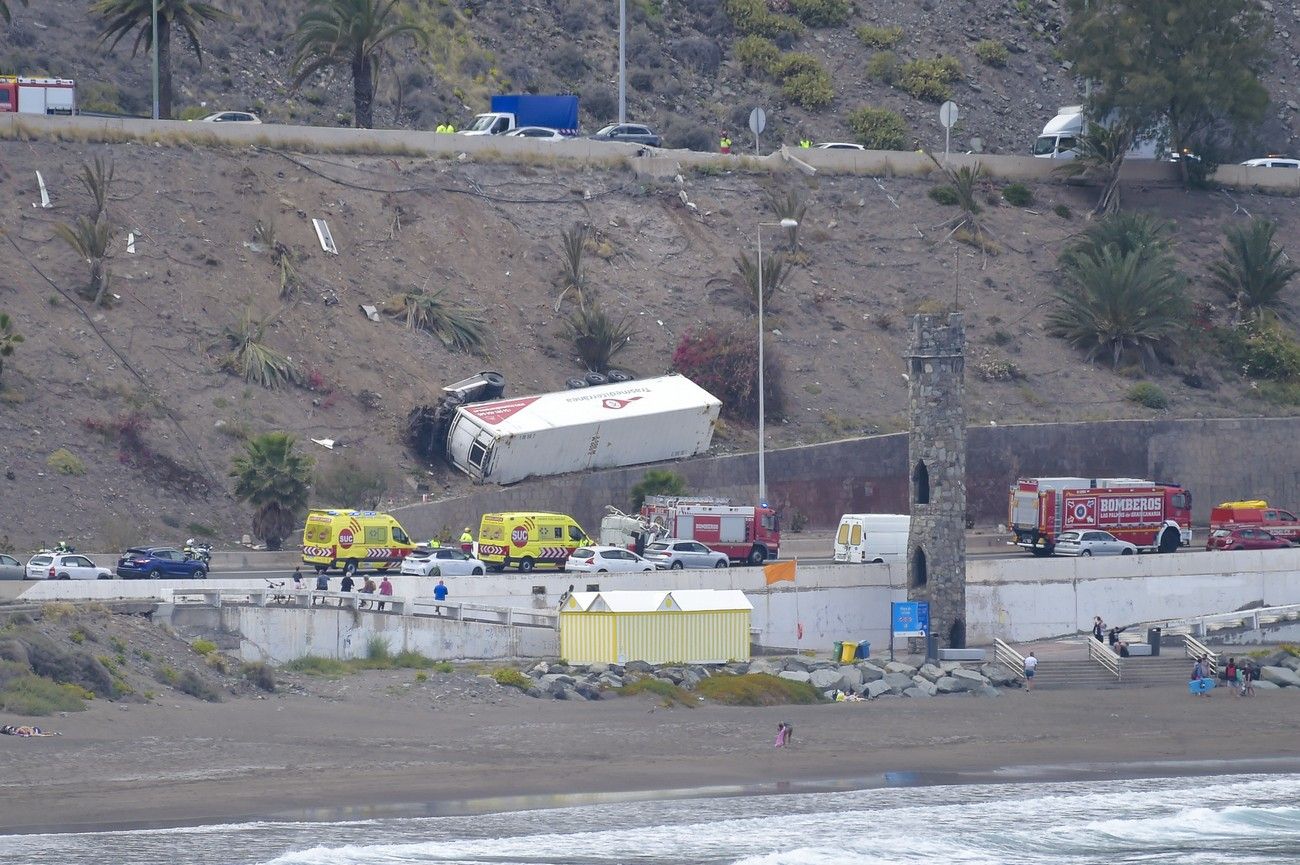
(936, 456)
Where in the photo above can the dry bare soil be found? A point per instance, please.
(874, 251)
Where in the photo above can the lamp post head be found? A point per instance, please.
(789, 223)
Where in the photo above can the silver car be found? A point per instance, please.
(677, 554)
(449, 562)
(606, 560)
(1092, 542)
(11, 568)
(65, 566)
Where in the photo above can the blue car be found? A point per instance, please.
(159, 563)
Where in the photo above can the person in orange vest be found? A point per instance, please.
(724, 145)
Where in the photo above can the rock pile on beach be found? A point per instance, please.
(867, 680)
(1281, 669)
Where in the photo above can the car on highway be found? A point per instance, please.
(606, 560)
(1244, 538)
(634, 133)
(231, 117)
(675, 553)
(537, 133)
(158, 563)
(443, 562)
(1092, 542)
(65, 566)
(1272, 162)
(11, 568)
(838, 145)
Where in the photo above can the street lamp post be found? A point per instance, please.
(622, 61)
(762, 408)
(155, 59)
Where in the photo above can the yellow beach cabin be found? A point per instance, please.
(686, 626)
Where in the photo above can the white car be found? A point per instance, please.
(1272, 162)
(1092, 542)
(675, 553)
(421, 562)
(65, 566)
(537, 133)
(838, 145)
(606, 560)
(231, 117)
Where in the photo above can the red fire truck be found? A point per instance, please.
(745, 533)
(1154, 516)
(37, 95)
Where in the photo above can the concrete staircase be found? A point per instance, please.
(1058, 674)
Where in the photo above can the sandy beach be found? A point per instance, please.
(380, 742)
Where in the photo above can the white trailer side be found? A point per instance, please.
(623, 424)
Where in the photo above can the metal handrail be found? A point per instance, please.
(1007, 656)
(1097, 651)
(1251, 617)
(1195, 649)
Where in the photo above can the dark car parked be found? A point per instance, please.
(633, 132)
(159, 563)
(1244, 538)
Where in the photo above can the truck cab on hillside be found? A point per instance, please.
(515, 110)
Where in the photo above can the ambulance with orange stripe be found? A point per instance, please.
(528, 540)
(351, 541)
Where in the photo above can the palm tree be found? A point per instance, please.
(775, 270)
(1124, 233)
(1118, 301)
(252, 359)
(1100, 153)
(272, 477)
(4, 10)
(90, 239)
(8, 339)
(1253, 272)
(123, 16)
(598, 338)
(350, 33)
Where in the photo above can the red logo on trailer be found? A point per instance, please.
(610, 402)
(1081, 512)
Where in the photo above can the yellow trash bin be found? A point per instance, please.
(850, 649)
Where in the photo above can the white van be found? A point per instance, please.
(872, 538)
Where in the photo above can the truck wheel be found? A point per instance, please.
(575, 383)
(618, 376)
(757, 556)
(350, 569)
(596, 379)
(1169, 541)
(525, 565)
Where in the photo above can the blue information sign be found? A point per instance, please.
(910, 618)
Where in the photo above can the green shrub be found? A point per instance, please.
(443, 667)
(1018, 195)
(1063, 211)
(1262, 350)
(259, 674)
(879, 128)
(943, 195)
(929, 79)
(992, 52)
(1147, 394)
(421, 676)
(408, 660)
(757, 54)
(509, 677)
(78, 636)
(752, 17)
(821, 13)
(760, 689)
(314, 665)
(203, 647)
(33, 695)
(657, 482)
(167, 674)
(1283, 393)
(196, 686)
(809, 90)
(670, 694)
(65, 462)
(883, 66)
(998, 369)
(377, 649)
(879, 37)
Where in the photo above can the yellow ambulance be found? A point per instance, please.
(527, 540)
(351, 541)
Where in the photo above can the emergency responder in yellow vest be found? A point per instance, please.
(466, 541)
(805, 142)
(434, 544)
(442, 127)
(724, 145)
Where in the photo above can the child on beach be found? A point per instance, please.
(784, 734)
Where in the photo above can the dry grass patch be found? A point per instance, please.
(759, 689)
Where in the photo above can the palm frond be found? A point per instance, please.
(253, 360)
(598, 338)
(775, 270)
(1253, 272)
(90, 239)
(459, 329)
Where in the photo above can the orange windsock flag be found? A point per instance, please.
(778, 571)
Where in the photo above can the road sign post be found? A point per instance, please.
(948, 115)
(757, 123)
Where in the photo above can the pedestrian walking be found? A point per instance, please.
(346, 585)
(440, 595)
(1098, 629)
(322, 585)
(297, 578)
(367, 588)
(1031, 666)
(385, 589)
(1200, 683)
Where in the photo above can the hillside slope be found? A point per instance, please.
(683, 72)
(137, 394)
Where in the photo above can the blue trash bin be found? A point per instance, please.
(864, 649)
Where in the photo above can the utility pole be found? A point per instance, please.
(155, 59)
(622, 61)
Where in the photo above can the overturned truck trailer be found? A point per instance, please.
(611, 425)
